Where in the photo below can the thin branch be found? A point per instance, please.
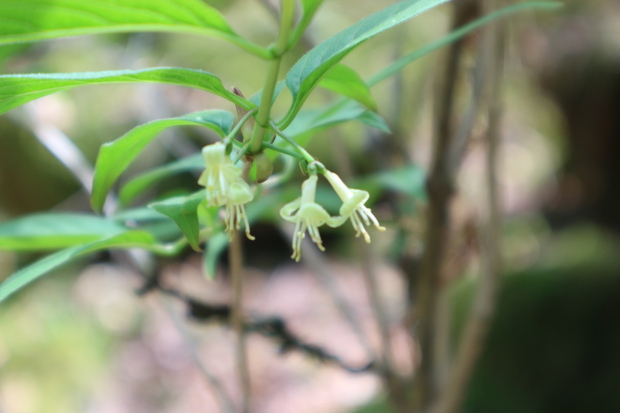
(327, 279)
(236, 315)
(276, 328)
(61, 146)
(440, 187)
(397, 393)
(271, 327)
(223, 399)
(477, 325)
(367, 258)
(479, 80)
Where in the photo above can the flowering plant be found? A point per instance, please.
(242, 160)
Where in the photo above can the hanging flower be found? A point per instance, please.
(307, 215)
(353, 207)
(239, 195)
(218, 175)
(224, 185)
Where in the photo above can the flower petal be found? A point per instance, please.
(287, 212)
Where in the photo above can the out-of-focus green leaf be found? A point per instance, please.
(183, 211)
(344, 80)
(306, 73)
(409, 180)
(147, 219)
(115, 157)
(331, 115)
(457, 34)
(143, 181)
(138, 214)
(311, 120)
(15, 90)
(55, 231)
(255, 98)
(30, 20)
(128, 239)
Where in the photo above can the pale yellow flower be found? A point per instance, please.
(225, 187)
(239, 195)
(353, 207)
(218, 175)
(307, 215)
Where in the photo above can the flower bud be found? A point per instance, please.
(264, 167)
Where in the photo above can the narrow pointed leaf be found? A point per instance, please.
(458, 33)
(30, 20)
(183, 210)
(54, 231)
(306, 73)
(116, 156)
(128, 239)
(15, 90)
(331, 115)
(137, 215)
(142, 182)
(276, 92)
(347, 82)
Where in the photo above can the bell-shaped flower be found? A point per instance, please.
(353, 207)
(219, 173)
(224, 185)
(307, 215)
(239, 195)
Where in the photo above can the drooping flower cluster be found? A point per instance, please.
(225, 186)
(309, 215)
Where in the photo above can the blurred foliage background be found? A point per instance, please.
(82, 340)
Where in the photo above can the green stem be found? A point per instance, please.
(309, 158)
(264, 109)
(241, 152)
(267, 145)
(235, 260)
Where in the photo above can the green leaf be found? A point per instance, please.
(15, 90)
(331, 115)
(183, 211)
(308, 70)
(128, 239)
(409, 180)
(457, 34)
(30, 20)
(137, 215)
(344, 80)
(142, 182)
(54, 231)
(256, 98)
(147, 219)
(115, 157)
